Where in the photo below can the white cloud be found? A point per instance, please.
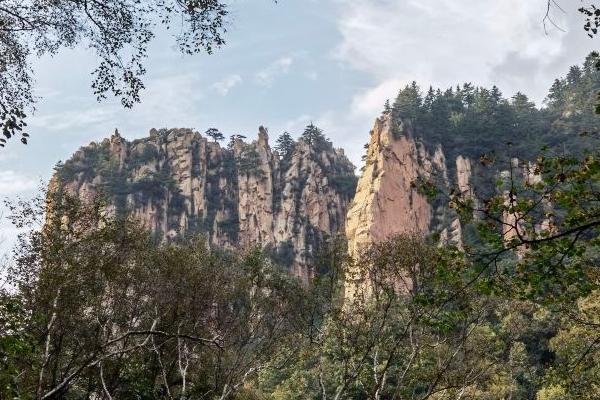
(72, 119)
(12, 182)
(369, 103)
(445, 42)
(166, 101)
(225, 85)
(281, 66)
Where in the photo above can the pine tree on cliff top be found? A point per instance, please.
(285, 145)
(314, 136)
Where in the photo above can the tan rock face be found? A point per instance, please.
(386, 202)
(177, 183)
(463, 176)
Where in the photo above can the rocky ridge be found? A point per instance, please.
(177, 183)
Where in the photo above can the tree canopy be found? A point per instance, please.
(473, 121)
(118, 32)
(285, 145)
(215, 134)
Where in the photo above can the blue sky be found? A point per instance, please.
(333, 62)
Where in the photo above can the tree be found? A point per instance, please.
(119, 32)
(408, 103)
(285, 145)
(412, 330)
(313, 136)
(215, 134)
(538, 229)
(592, 19)
(556, 95)
(428, 100)
(591, 14)
(387, 108)
(233, 139)
(101, 311)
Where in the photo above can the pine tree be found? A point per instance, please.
(591, 63)
(314, 136)
(496, 95)
(408, 103)
(574, 75)
(429, 98)
(387, 108)
(556, 94)
(233, 139)
(468, 94)
(285, 145)
(215, 134)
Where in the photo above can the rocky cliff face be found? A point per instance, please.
(391, 196)
(178, 183)
(388, 201)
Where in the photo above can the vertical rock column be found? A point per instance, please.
(386, 202)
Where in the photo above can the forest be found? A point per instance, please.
(100, 310)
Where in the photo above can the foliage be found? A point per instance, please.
(215, 134)
(100, 310)
(233, 139)
(314, 137)
(539, 232)
(111, 314)
(119, 32)
(285, 145)
(248, 161)
(473, 121)
(344, 184)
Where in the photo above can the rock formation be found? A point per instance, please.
(388, 200)
(391, 196)
(178, 183)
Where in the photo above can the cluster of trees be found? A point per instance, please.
(98, 310)
(475, 120)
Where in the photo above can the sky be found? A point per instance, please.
(331, 62)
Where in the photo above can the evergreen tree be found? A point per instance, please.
(574, 75)
(468, 94)
(408, 103)
(556, 94)
(387, 108)
(313, 136)
(496, 94)
(429, 98)
(591, 63)
(285, 145)
(233, 139)
(215, 134)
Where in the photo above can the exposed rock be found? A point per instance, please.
(176, 183)
(463, 176)
(387, 202)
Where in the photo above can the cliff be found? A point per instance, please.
(399, 189)
(388, 200)
(178, 183)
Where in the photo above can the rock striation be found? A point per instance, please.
(177, 183)
(388, 201)
(392, 195)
